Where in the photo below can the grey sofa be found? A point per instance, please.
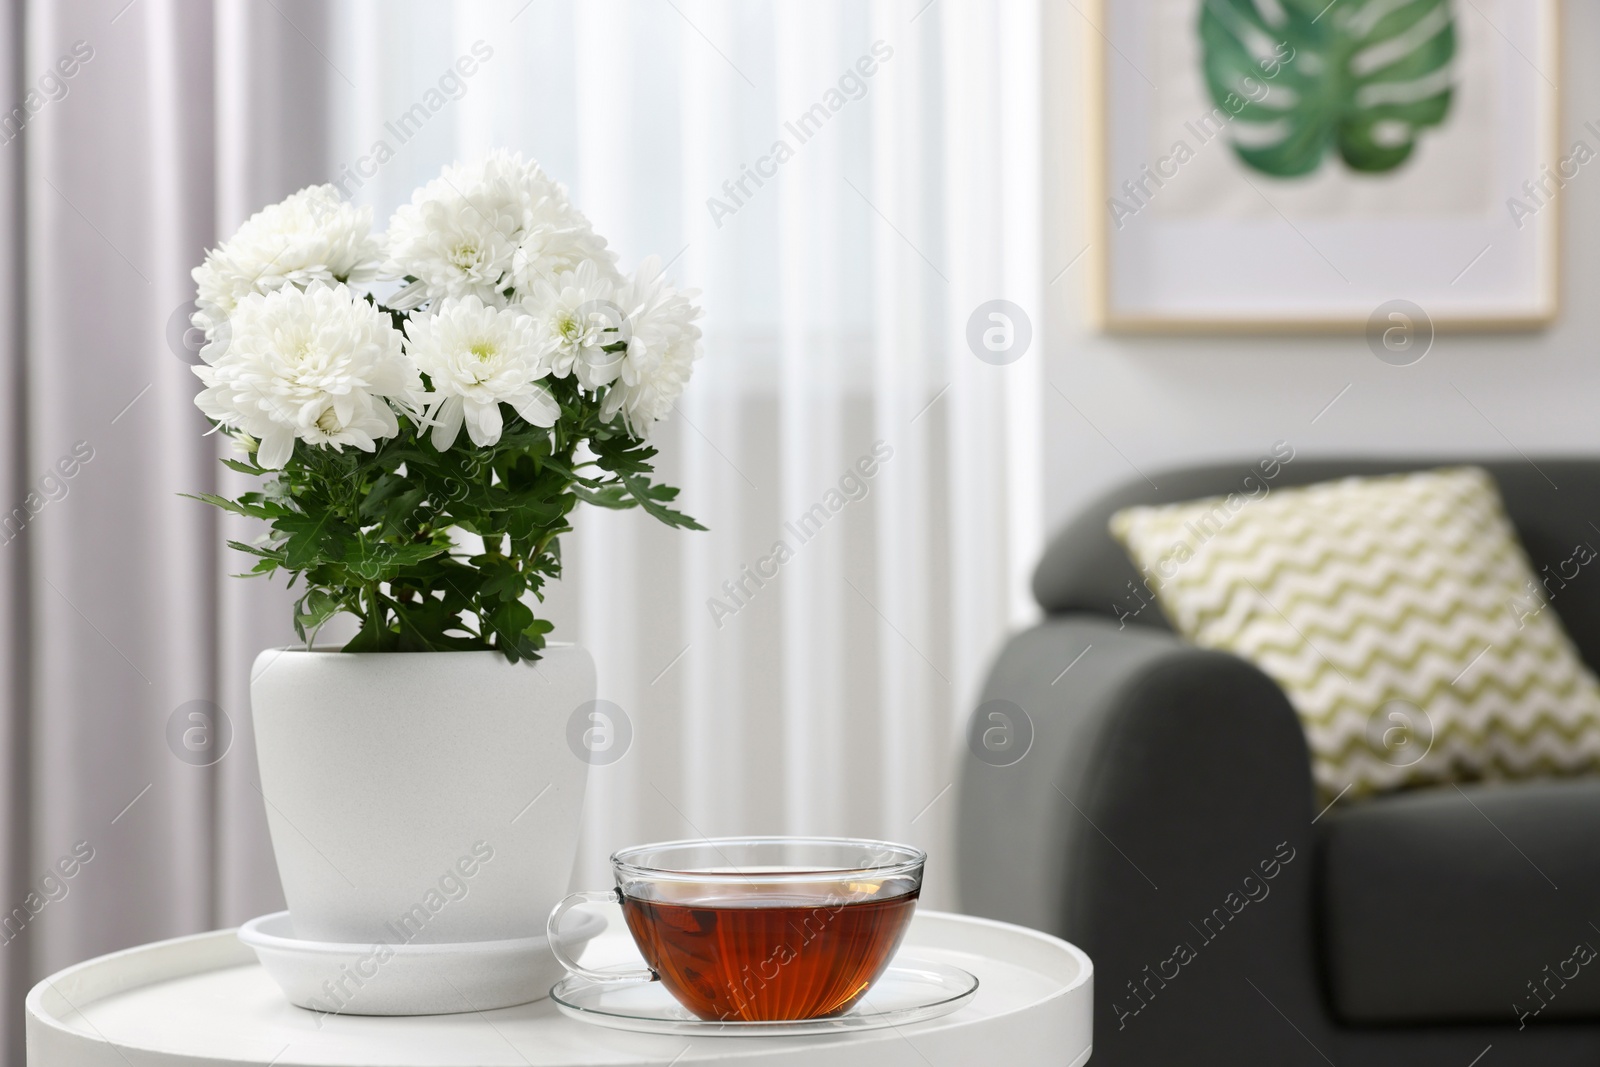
(1163, 819)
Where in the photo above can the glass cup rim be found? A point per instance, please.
(910, 859)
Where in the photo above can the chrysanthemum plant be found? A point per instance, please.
(346, 365)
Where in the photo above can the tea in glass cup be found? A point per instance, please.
(761, 929)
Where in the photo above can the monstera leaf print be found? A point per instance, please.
(1301, 76)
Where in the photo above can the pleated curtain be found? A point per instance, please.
(821, 688)
(185, 118)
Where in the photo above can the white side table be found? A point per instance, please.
(203, 1001)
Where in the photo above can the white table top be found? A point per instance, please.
(203, 1001)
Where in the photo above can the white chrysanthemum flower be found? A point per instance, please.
(320, 365)
(577, 316)
(556, 238)
(484, 229)
(453, 245)
(313, 236)
(477, 358)
(663, 344)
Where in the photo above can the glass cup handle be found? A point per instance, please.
(552, 931)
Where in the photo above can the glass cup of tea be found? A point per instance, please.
(759, 928)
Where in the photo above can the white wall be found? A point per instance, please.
(1170, 401)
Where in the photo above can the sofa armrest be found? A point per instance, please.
(1166, 802)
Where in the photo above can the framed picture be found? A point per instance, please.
(1308, 164)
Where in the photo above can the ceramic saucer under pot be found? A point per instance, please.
(381, 979)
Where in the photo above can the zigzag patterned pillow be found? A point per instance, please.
(1399, 614)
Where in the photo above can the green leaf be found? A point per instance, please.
(372, 505)
(311, 539)
(615, 497)
(510, 619)
(400, 517)
(313, 609)
(410, 555)
(426, 637)
(242, 506)
(273, 554)
(1362, 79)
(370, 638)
(649, 497)
(623, 455)
(503, 582)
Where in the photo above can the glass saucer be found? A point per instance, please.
(910, 991)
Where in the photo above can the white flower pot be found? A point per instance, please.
(420, 798)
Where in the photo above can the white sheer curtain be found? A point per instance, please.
(172, 120)
(838, 284)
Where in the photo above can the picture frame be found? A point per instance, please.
(1188, 235)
